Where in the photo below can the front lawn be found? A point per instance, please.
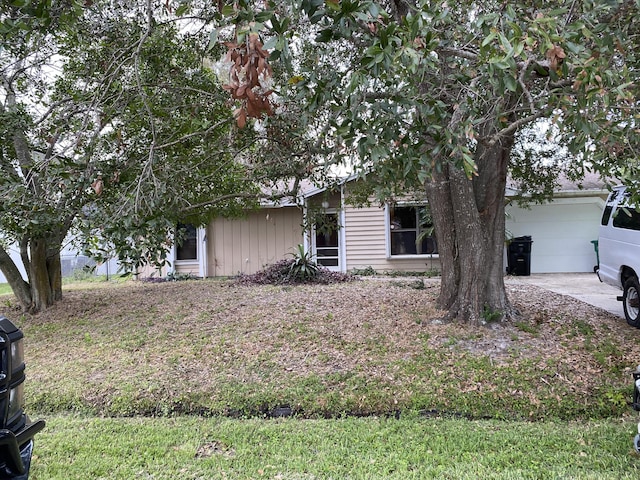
(360, 348)
(199, 368)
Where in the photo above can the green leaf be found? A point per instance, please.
(325, 36)
(275, 55)
(504, 42)
(518, 49)
(213, 39)
(228, 10)
(558, 12)
(492, 36)
(275, 25)
(510, 83)
(333, 5)
(264, 16)
(242, 34)
(183, 8)
(311, 7)
(377, 152)
(355, 83)
(271, 44)
(408, 166)
(469, 166)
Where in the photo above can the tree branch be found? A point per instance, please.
(513, 127)
(231, 196)
(456, 52)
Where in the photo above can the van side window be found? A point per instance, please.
(605, 215)
(627, 217)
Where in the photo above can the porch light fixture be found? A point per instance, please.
(16, 430)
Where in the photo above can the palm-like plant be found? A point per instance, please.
(303, 267)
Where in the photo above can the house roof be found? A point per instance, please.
(298, 193)
(591, 184)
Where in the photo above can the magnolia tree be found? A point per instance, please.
(114, 127)
(432, 95)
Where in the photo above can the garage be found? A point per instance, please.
(562, 231)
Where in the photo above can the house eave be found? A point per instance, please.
(288, 204)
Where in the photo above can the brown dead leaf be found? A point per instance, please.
(241, 117)
(98, 185)
(215, 447)
(556, 56)
(249, 71)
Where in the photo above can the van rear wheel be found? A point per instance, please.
(631, 301)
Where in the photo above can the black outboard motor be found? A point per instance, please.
(16, 431)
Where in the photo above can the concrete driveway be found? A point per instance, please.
(582, 286)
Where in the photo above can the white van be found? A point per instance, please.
(619, 251)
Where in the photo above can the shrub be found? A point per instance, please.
(364, 272)
(274, 274)
(303, 268)
(279, 273)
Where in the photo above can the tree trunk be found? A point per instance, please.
(41, 291)
(21, 289)
(54, 269)
(468, 216)
(44, 269)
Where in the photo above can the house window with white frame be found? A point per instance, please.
(410, 231)
(187, 247)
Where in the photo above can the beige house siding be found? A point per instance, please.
(190, 268)
(365, 236)
(151, 271)
(247, 244)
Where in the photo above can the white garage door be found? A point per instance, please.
(561, 231)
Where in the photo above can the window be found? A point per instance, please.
(187, 244)
(411, 231)
(611, 202)
(606, 214)
(627, 217)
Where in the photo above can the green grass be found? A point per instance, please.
(5, 289)
(354, 448)
(196, 367)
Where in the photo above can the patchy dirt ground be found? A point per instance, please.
(194, 342)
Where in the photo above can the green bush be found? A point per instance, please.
(303, 268)
(364, 272)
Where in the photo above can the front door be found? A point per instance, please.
(326, 242)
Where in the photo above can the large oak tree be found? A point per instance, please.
(433, 95)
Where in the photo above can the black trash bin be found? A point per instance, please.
(519, 256)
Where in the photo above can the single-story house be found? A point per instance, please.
(384, 237)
